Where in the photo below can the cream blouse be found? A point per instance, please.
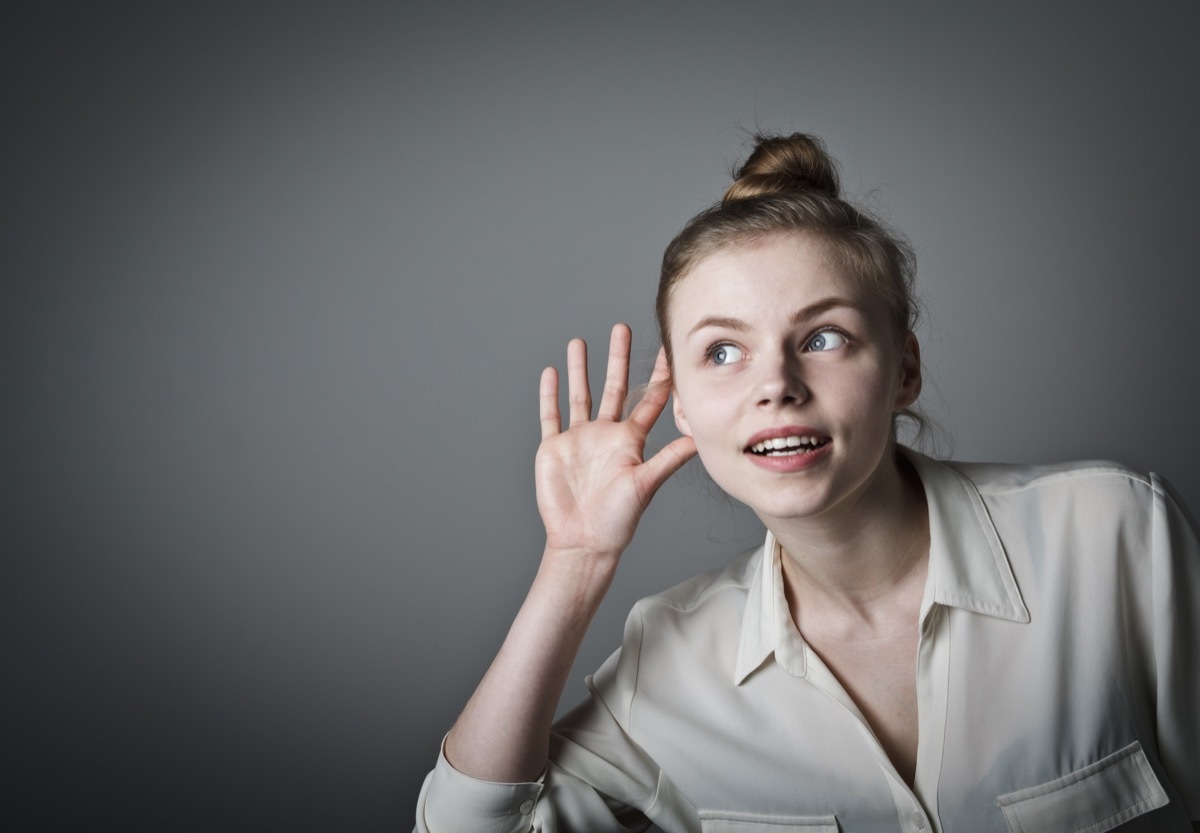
(1058, 685)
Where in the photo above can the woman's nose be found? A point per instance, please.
(781, 382)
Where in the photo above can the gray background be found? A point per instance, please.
(278, 284)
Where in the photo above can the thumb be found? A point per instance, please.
(669, 459)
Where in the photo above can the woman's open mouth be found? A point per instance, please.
(788, 446)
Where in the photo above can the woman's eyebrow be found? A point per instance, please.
(824, 305)
(727, 322)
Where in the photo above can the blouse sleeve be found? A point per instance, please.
(450, 801)
(1176, 592)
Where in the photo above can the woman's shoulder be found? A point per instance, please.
(699, 613)
(699, 591)
(691, 630)
(1001, 478)
(1093, 492)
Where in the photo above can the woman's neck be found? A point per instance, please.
(865, 563)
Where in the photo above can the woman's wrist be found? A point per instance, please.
(580, 578)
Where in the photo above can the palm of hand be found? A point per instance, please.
(592, 481)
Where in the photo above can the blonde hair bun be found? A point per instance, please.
(785, 165)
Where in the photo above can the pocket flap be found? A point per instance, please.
(715, 821)
(1094, 799)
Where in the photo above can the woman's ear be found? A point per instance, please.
(680, 420)
(910, 372)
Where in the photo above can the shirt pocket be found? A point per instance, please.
(715, 821)
(1094, 799)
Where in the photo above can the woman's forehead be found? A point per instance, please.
(779, 275)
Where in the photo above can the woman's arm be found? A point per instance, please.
(592, 488)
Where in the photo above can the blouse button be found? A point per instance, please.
(526, 807)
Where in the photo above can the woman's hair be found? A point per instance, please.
(790, 184)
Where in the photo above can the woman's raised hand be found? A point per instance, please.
(592, 487)
(592, 481)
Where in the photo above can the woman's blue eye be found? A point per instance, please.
(724, 354)
(825, 340)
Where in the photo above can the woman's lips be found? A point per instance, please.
(789, 448)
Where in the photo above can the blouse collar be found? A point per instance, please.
(968, 569)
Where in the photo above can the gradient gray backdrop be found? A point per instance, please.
(278, 282)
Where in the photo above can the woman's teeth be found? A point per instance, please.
(782, 446)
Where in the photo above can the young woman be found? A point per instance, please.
(916, 646)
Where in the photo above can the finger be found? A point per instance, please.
(670, 458)
(548, 403)
(579, 396)
(616, 382)
(658, 391)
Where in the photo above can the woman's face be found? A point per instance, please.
(787, 374)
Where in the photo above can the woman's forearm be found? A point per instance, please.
(503, 733)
